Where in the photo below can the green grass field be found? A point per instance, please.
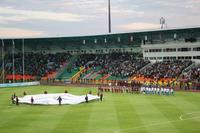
(118, 113)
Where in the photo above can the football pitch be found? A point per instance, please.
(118, 113)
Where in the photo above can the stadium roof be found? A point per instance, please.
(174, 29)
(111, 39)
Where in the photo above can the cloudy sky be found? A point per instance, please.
(41, 18)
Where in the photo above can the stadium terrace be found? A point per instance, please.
(162, 57)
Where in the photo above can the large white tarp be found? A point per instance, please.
(52, 99)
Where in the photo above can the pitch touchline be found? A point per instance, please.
(160, 123)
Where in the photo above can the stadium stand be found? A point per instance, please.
(37, 65)
(165, 69)
(149, 56)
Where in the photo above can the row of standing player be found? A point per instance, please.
(156, 90)
(117, 89)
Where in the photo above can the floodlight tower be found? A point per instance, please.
(162, 22)
(3, 63)
(109, 17)
(13, 55)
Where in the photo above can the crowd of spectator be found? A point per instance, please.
(195, 73)
(165, 69)
(115, 64)
(35, 64)
(121, 65)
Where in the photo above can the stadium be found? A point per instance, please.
(132, 82)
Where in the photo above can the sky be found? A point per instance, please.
(54, 18)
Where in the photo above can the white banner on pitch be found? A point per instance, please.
(52, 99)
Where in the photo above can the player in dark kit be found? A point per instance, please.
(86, 99)
(17, 100)
(32, 100)
(25, 93)
(12, 99)
(14, 95)
(101, 96)
(98, 93)
(59, 100)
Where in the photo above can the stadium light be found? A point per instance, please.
(13, 54)
(109, 17)
(3, 64)
(162, 22)
(23, 58)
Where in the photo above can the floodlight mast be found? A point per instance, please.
(13, 54)
(109, 17)
(3, 64)
(162, 22)
(23, 58)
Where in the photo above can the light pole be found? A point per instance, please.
(23, 58)
(162, 22)
(109, 17)
(3, 64)
(13, 54)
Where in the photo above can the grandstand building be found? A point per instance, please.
(183, 44)
(156, 45)
(99, 58)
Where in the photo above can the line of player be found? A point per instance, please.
(148, 90)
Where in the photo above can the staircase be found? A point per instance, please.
(145, 67)
(64, 74)
(105, 77)
(188, 68)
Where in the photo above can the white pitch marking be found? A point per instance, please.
(161, 123)
(181, 117)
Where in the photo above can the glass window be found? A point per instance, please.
(196, 49)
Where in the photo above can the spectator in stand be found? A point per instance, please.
(165, 69)
(36, 64)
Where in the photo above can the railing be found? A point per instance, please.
(19, 84)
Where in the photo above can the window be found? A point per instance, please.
(191, 40)
(175, 36)
(196, 49)
(151, 58)
(131, 38)
(172, 58)
(146, 38)
(83, 41)
(184, 49)
(164, 58)
(119, 39)
(105, 40)
(169, 50)
(95, 40)
(155, 50)
(181, 58)
(188, 57)
(196, 57)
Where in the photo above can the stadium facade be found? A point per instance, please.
(155, 45)
(158, 45)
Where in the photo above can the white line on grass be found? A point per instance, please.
(161, 123)
(188, 114)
